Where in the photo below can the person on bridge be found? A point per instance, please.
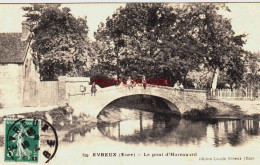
(144, 82)
(178, 86)
(129, 83)
(93, 89)
(181, 86)
(82, 89)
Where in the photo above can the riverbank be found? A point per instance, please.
(247, 107)
(21, 110)
(60, 117)
(235, 109)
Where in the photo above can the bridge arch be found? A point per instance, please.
(159, 104)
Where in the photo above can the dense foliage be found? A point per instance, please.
(59, 41)
(190, 43)
(156, 39)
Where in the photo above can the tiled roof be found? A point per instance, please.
(12, 49)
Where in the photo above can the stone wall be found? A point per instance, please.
(71, 86)
(62, 90)
(11, 92)
(11, 85)
(184, 100)
(12, 78)
(11, 71)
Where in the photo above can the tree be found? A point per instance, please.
(201, 78)
(233, 72)
(252, 77)
(148, 39)
(133, 38)
(222, 50)
(59, 41)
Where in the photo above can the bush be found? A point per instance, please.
(196, 114)
(209, 112)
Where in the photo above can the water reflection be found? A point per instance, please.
(165, 130)
(235, 132)
(140, 130)
(82, 131)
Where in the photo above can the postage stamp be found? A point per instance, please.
(22, 140)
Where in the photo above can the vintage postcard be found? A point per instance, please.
(130, 83)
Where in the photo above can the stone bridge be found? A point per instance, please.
(179, 101)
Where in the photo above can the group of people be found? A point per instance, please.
(93, 89)
(130, 83)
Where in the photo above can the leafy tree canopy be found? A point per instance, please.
(252, 76)
(59, 40)
(159, 39)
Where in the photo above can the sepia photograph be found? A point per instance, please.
(129, 83)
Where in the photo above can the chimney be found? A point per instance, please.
(25, 30)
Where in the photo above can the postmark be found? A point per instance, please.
(23, 138)
(49, 141)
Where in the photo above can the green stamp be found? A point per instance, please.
(22, 140)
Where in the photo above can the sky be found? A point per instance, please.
(245, 18)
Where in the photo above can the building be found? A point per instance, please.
(16, 66)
